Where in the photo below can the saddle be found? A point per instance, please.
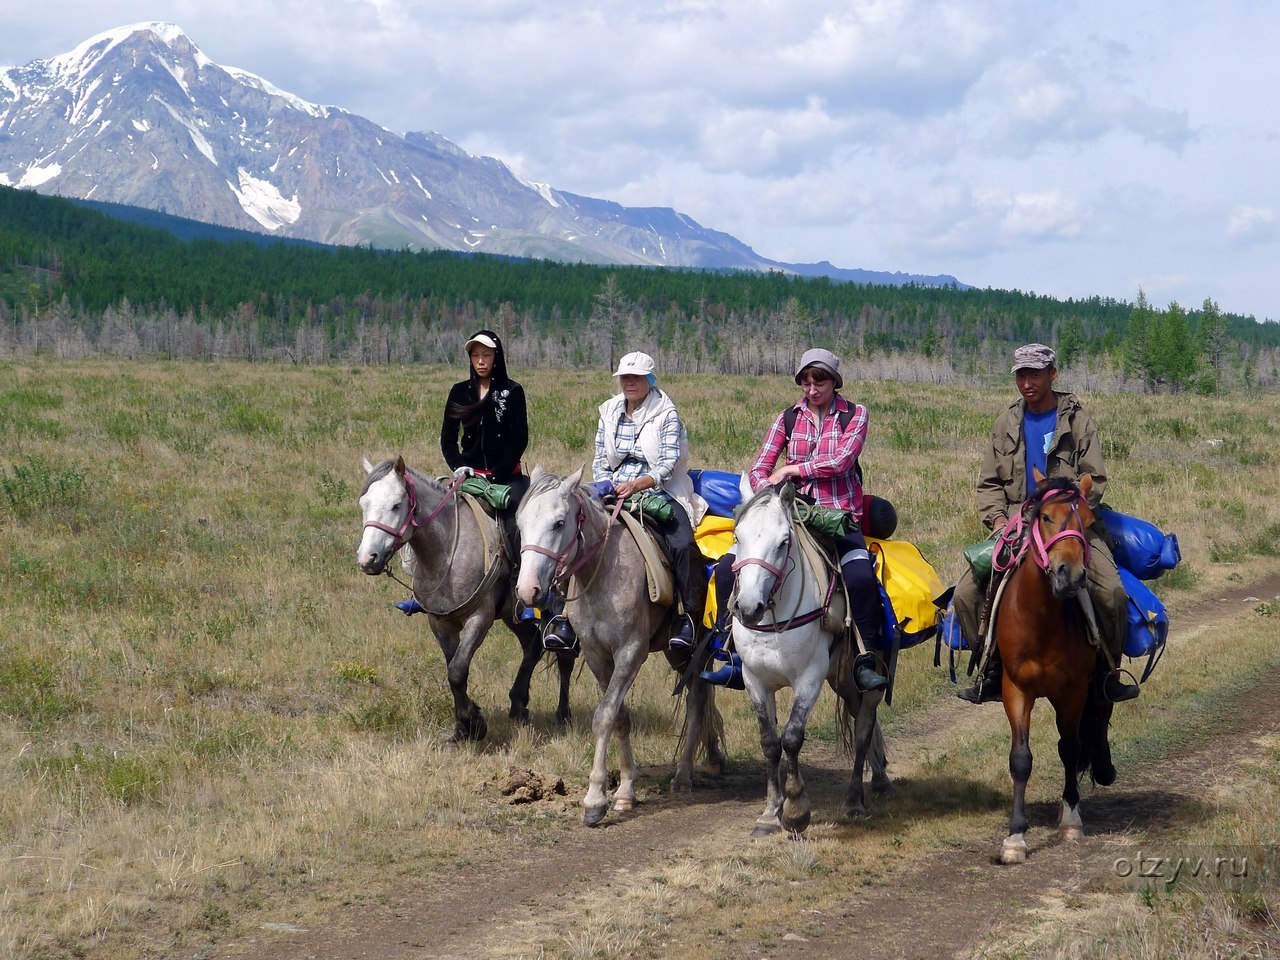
(657, 568)
(821, 554)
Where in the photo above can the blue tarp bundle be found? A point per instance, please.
(719, 488)
(1142, 548)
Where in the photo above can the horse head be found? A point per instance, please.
(549, 518)
(388, 502)
(762, 541)
(1059, 523)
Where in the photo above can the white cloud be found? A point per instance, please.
(1067, 147)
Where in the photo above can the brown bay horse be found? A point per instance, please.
(1043, 639)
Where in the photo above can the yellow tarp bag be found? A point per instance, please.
(911, 583)
(714, 537)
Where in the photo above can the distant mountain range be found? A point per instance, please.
(140, 116)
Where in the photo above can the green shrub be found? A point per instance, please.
(39, 486)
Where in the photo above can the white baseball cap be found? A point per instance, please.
(483, 339)
(636, 365)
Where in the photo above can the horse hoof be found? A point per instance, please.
(564, 719)
(623, 804)
(799, 823)
(762, 830)
(680, 786)
(1071, 833)
(882, 789)
(1013, 850)
(857, 812)
(1104, 777)
(520, 715)
(592, 816)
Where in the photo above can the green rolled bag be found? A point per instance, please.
(656, 506)
(497, 495)
(979, 557)
(825, 520)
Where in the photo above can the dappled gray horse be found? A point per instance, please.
(568, 540)
(788, 628)
(462, 593)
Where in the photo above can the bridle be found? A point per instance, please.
(779, 575)
(564, 569)
(1014, 544)
(404, 533)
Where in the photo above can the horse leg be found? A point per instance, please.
(564, 664)
(796, 809)
(868, 742)
(615, 678)
(458, 647)
(531, 653)
(712, 726)
(1067, 713)
(1017, 706)
(765, 702)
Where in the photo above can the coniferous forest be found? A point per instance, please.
(75, 282)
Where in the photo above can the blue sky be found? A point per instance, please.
(1072, 148)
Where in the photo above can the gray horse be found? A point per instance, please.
(462, 589)
(568, 540)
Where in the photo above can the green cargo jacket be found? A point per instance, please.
(1074, 451)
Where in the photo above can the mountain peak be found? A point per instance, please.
(88, 53)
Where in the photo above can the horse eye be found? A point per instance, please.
(559, 525)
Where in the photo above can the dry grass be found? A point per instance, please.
(209, 719)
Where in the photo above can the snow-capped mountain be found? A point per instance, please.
(140, 116)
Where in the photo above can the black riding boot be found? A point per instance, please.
(990, 685)
(558, 635)
(1109, 686)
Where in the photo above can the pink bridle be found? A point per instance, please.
(1014, 546)
(564, 570)
(779, 573)
(404, 533)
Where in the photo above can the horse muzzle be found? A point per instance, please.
(1066, 580)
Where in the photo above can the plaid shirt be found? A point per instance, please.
(626, 433)
(826, 457)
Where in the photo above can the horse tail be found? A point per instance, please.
(1095, 756)
(711, 723)
(845, 716)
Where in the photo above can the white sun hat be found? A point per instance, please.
(636, 364)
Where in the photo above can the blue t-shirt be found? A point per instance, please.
(1037, 431)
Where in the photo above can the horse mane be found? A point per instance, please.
(385, 467)
(761, 494)
(1060, 483)
(543, 483)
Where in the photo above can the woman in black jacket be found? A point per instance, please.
(486, 427)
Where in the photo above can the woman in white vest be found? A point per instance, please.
(641, 444)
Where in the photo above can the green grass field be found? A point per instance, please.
(205, 708)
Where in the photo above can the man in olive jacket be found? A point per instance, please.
(1050, 430)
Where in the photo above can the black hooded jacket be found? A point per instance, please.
(494, 437)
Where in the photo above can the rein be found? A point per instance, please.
(1014, 544)
(404, 533)
(564, 570)
(780, 574)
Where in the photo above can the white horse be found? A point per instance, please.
(780, 634)
(569, 543)
(462, 588)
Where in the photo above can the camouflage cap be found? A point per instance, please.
(1034, 356)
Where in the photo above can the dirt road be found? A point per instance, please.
(930, 912)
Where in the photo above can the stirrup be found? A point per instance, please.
(988, 688)
(1113, 689)
(684, 636)
(410, 607)
(729, 675)
(865, 675)
(559, 636)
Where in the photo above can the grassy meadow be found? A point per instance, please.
(209, 718)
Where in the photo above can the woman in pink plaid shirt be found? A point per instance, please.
(821, 459)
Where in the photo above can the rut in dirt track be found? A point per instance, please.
(931, 912)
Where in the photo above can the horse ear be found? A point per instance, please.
(575, 478)
(1086, 512)
(787, 494)
(1086, 484)
(1039, 477)
(368, 467)
(400, 467)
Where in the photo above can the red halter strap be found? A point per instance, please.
(1013, 545)
(565, 570)
(404, 533)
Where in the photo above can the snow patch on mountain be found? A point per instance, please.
(262, 201)
(37, 175)
(198, 138)
(544, 190)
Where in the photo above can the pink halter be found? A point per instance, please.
(1013, 545)
(404, 533)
